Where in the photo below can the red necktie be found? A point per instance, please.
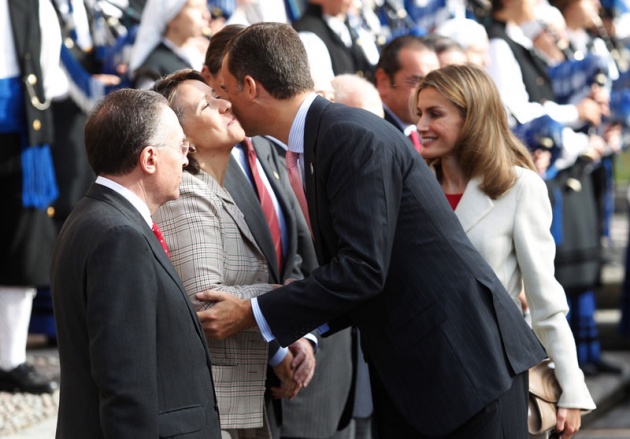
(265, 202)
(415, 139)
(296, 184)
(160, 237)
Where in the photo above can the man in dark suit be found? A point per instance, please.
(404, 61)
(323, 407)
(133, 357)
(437, 328)
(329, 21)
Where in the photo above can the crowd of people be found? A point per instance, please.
(309, 218)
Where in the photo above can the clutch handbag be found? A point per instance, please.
(544, 392)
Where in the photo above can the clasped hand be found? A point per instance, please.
(295, 371)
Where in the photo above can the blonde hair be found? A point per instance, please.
(486, 147)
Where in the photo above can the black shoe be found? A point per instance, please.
(25, 378)
(605, 367)
(589, 369)
(595, 368)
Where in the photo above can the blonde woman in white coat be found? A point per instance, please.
(489, 179)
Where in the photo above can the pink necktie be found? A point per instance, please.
(266, 202)
(296, 184)
(160, 237)
(415, 139)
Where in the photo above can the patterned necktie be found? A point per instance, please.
(296, 184)
(160, 237)
(415, 139)
(266, 203)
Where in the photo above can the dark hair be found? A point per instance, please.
(218, 43)
(497, 5)
(272, 54)
(167, 87)
(389, 60)
(119, 127)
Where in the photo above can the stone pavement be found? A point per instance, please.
(25, 416)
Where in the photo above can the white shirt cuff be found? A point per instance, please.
(261, 322)
(278, 357)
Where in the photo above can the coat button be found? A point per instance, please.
(31, 79)
(37, 125)
(50, 211)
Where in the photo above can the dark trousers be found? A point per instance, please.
(504, 418)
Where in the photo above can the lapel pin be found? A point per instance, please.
(312, 171)
(276, 175)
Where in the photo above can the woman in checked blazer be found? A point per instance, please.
(489, 179)
(211, 247)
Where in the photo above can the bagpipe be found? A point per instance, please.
(114, 29)
(572, 79)
(105, 25)
(396, 19)
(620, 100)
(428, 14)
(542, 133)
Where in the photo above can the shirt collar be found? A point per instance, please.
(135, 200)
(406, 129)
(296, 134)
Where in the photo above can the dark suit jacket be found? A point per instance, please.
(161, 62)
(438, 328)
(343, 59)
(389, 118)
(317, 410)
(134, 361)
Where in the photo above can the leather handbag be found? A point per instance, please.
(544, 393)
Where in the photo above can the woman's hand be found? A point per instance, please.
(569, 422)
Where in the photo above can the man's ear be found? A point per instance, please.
(147, 161)
(250, 86)
(382, 81)
(205, 72)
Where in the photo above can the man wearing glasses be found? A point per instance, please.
(133, 357)
(403, 63)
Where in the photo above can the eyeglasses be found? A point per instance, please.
(410, 82)
(184, 148)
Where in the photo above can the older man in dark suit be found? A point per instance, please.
(134, 361)
(438, 329)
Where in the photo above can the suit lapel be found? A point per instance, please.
(247, 202)
(126, 208)
(473, 206)
(232, 210)
(311, 132)
(120, 203)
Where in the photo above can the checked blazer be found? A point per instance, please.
(212, 248)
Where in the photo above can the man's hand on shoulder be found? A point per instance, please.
(228, 316)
